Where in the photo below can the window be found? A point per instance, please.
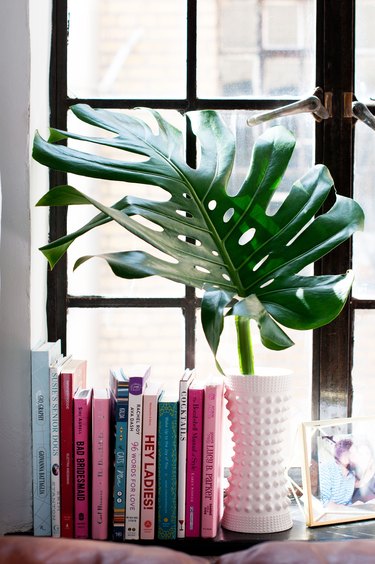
(234, 56)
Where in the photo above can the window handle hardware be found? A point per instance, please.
(312, 105)
(361, 112)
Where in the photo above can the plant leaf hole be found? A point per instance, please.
(265, 284)
(246, 237)
(212, 205)
(202, 269)
(184, 239)
(259, 264)
(182, 212)
(228, 215)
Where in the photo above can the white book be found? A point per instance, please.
(184, 384)
(138, 376)
(54, 373)
(149, 460)
(42, 358)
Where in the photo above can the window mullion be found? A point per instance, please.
(332, 387)
(57, 280)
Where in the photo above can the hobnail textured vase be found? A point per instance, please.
(256, 499)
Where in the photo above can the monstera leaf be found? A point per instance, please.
(246, 258)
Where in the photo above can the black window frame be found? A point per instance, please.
(335, 51)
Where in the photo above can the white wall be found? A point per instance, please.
(16, 331)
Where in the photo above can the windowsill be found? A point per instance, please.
(228, 541)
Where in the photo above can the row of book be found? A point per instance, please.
(128, 461)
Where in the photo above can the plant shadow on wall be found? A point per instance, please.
(246, 259)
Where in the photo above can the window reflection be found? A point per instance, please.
(259, 48)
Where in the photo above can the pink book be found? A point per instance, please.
(72, 377)
(194, 460)
(212, 482)
(149, 462)
(82, 450)
(100, 463)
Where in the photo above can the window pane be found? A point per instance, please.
(363, 242)
(107, 337)
(365, 50)
(252, 48)
(127, 49)
(363, 363)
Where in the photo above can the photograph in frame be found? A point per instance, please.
(339, 470)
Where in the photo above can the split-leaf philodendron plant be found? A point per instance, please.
(246, 259)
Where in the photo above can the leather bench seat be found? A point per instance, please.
(17, 549)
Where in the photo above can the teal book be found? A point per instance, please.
(42, 359)
(167, 458)
(120, 425)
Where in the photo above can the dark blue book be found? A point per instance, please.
(119, 389)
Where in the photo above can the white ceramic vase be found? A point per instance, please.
(256, 499)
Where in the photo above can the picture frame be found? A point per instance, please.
(338, 470)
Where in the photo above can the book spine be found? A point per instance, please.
(133, 472)
(167, 470)
(148, 479)
(41, 449)
(66, 455)
(194, 462)
(120, 418)
(219, 456)
(55, 451)
(82, 428)
(182, 450)
(41, 445)
(100, 467)
(211, 461)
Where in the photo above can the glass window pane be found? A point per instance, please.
(363, 363)
(255, 48)
(127, 49)
(364, 242)
(282, 75)
(287, 35)
(365, 50)
(107, 337)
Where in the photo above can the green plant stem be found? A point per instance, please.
(244, 345)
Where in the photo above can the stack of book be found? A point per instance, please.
(125, 462)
